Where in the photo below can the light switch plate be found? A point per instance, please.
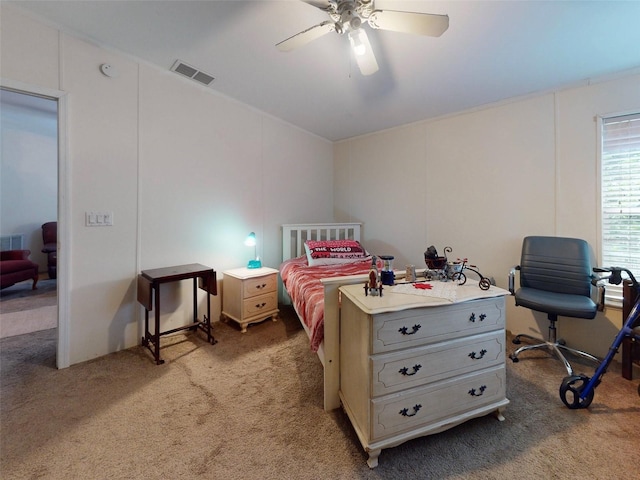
(98, 219)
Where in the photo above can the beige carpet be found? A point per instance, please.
(27, 321)
(250, 407)
(23, 310)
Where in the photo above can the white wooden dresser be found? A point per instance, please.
(412, 365)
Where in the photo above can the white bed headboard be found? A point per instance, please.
(294, 235)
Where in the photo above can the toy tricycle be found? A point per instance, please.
(576, 391)
(459, 276)
(442, 269)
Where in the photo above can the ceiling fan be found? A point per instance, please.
(348, 16)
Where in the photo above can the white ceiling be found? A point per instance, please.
(492, 51)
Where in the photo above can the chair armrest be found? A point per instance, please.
(598, 284)
(512, 279)
(49, 247)
(15, 255)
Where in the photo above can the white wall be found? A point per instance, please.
(480, 181)
(189, 173)
(29, 169)
(186, 172)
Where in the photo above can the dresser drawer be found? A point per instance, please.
(259, 285)
(392, 372)
(415, 327)
(411, 409)
(254, 307)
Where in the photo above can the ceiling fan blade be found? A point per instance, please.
(321, 4)
(409, 22)
(306, 36)
(363, 52)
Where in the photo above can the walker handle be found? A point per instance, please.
(616, 275)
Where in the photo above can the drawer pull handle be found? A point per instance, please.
(405, 330)
(473, 393)
(472, 318)
(260, 305)
(405, 370)
(260, 287)
(473, 356)
(405, 411)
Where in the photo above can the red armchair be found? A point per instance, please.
(15, 267)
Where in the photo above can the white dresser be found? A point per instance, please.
(412, 365)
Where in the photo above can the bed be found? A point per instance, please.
(320, 287)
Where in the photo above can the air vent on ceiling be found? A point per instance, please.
(193, 73)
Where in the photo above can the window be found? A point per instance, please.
(620, 196)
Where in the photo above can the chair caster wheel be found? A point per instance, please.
(516, 341)
(514, 359)
(562, 342)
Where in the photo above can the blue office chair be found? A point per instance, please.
(555, 278)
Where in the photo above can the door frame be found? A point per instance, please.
(64, 226)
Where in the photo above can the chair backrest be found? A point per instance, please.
(556, 264)
(50, 232)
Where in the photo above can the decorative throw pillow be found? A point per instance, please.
(331, 252)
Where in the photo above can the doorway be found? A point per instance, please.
(28, 200)
(33, 182)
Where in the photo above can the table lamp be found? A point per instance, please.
(250, 241)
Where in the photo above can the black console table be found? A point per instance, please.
(149, 282)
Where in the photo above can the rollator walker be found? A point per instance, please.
(577, 391)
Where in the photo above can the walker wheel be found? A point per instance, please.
(571, 389)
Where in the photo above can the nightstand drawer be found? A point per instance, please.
(392, 372)
(259, 285)
(255, 306)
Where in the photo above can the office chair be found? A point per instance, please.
(555, 278)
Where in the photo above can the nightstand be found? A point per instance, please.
(249, 295)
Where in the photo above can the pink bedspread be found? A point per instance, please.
(307, 293)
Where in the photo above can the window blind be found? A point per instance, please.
(620, 194)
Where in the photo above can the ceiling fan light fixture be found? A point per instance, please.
(348, 16)
(357, 42)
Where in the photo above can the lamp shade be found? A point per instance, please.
(250, 241)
